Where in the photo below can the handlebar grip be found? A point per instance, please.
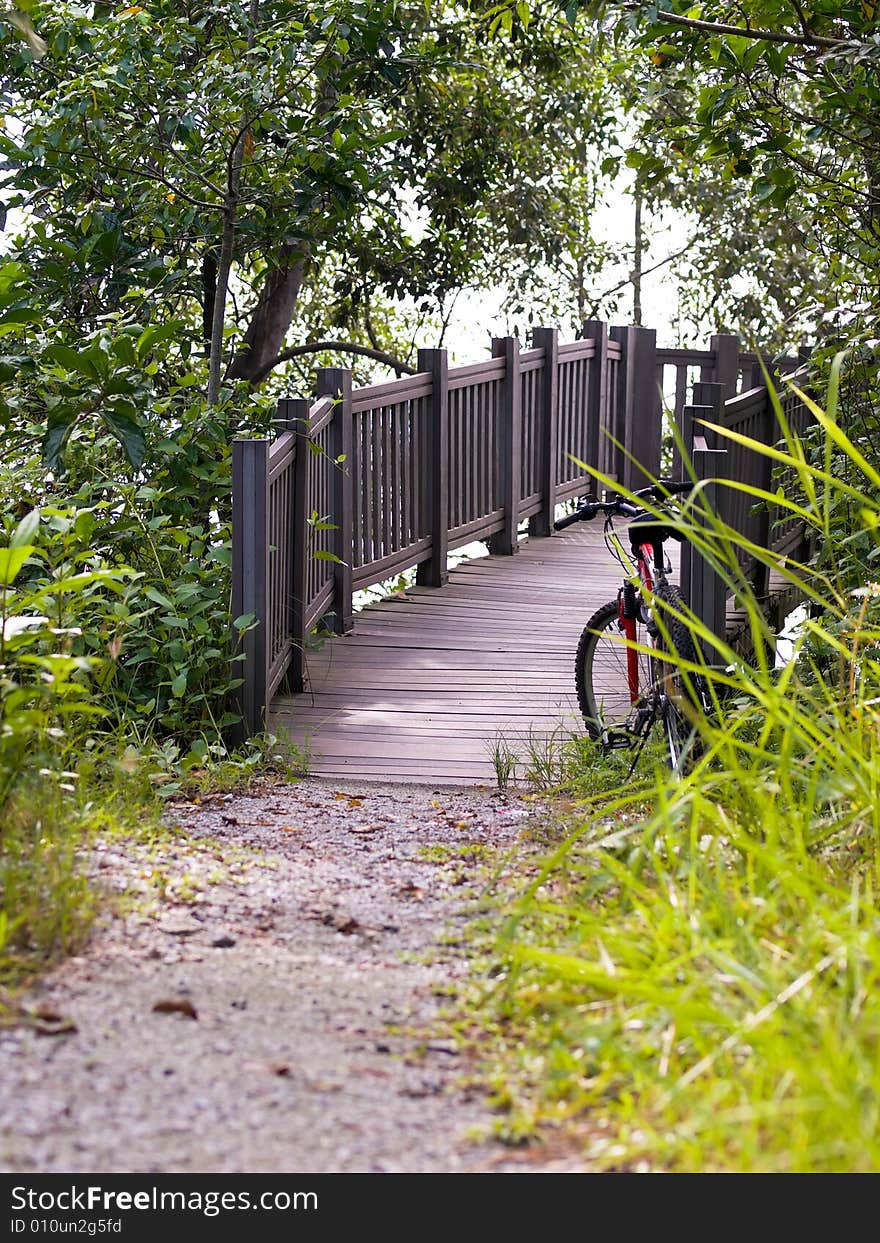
(568, 521)
(674, 487)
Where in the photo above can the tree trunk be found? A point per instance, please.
(224, 268)
(209, 294)
(227, 242)
(271, 318)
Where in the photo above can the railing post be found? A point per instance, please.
(547, 339)
(708, 401)
(435, 467)
(250, 577)
(770, 434)
(708, 404)
(702, 586)
(725, 369)
(597, 392)
(336, 381)
(293, 416)
(506, 541)
(637, 425)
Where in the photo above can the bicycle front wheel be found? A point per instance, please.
(683, 691)
(601, 671)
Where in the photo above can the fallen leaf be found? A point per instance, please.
(63, 1027)
(342, 923)
(282, 1069)
(176, 1005)
(409, 890)
(223, 943)
(355, 802)
(363, 829)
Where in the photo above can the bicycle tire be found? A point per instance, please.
(600, 671)
(684, 691)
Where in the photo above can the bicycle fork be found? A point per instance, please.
(639, 726)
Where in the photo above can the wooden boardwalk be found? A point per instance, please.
(429, 681)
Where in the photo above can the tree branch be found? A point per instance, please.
(676, 254)
(341, 347)
(746, 32)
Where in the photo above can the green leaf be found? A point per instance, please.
(156, 596)
(84, 525)
(72, 360)
(154, 335)
(178, 685)
(322, 555)
(26, 530)
(54, 440)
(22, 24)
(129, 435)
(11, 561)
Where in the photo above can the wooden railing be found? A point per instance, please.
(360, 486)
(715, 457)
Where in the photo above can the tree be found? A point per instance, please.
(780, 101)
(176, 142)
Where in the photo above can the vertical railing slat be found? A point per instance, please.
(506, 541)
(546, 422)
(435, 452)
(597, 390)
(336, 382)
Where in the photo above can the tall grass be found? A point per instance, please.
(693, 981)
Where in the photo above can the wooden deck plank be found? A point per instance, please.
(427, 682)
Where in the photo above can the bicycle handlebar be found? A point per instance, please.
(588, 509)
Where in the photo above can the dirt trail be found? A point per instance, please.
(292, 954)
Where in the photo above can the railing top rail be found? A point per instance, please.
(685, 357)
(573, 350)
(281, 452)
(736, 408)
(786, 362)
(475, 373)
(319, 409)
(390, 392)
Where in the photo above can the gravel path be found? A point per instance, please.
(253, 1006)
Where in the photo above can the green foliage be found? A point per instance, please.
(45, 681)
(691, 981)
(47, 905)
(761, 121)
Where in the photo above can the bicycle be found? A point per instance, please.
(625, 679)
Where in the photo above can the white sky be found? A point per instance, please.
(477, 317)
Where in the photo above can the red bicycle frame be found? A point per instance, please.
(645, 564)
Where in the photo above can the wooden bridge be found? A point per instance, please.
(468, 670)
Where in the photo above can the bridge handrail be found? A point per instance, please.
(361, 485)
